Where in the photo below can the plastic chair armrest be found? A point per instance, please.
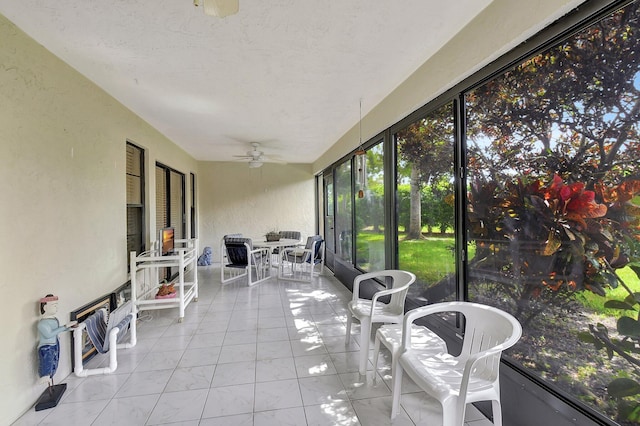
(417, 313)
(379, 294)
(359, 279)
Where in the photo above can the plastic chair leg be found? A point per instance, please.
(349, 321)
(365, 336)
(376, 352)
(450, 414)
(396, 381)
(496, 409)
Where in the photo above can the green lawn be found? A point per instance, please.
(593, 302)
(432, 258)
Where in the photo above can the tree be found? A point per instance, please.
(554, 172)
(570, 113)
(572, 110)
(427, 147)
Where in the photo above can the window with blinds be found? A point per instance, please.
(135, 199)
(193, 207)
(170, 205)
(161, 198)
(170, 200)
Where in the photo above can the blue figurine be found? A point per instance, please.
(206, 257)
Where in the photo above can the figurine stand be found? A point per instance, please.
(50, 397)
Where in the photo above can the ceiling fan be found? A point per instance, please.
(255, 156)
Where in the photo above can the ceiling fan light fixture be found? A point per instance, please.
(253, 164)
(219, 8)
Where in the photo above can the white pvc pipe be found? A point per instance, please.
(79, 369)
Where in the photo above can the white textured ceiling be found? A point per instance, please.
(287, 73)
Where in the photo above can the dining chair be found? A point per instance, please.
(372, 311)
(289, 235)
(238, 258)
(456, 380)
(300, 264)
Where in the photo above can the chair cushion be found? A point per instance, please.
(98, 329)
(237, 251)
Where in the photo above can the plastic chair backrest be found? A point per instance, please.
(486, 327)
(400, 278)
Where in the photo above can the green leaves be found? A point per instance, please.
(617, 304)
(629, 327)
(622, 387)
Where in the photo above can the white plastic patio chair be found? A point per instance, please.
(471, 376)
(370, 311)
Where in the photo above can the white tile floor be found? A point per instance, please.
(273, 354)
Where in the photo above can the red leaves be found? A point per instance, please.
(620, 194)
(578, 235)
(577, 203)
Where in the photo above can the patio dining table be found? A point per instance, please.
(282, 242)
(280, 245)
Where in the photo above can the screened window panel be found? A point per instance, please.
(426, 199)
(329, 213)
(343, 214)
(369, 210)
(552, 196)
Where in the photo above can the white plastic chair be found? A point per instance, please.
(471, 376)
(369, 311)
(390, 335)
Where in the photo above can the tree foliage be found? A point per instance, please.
(426, 147)
(572, 110)
(554, 180)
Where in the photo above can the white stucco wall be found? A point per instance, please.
(237, 199)
(62, 180)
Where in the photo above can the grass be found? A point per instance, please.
(595, 303)
(433, 258)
